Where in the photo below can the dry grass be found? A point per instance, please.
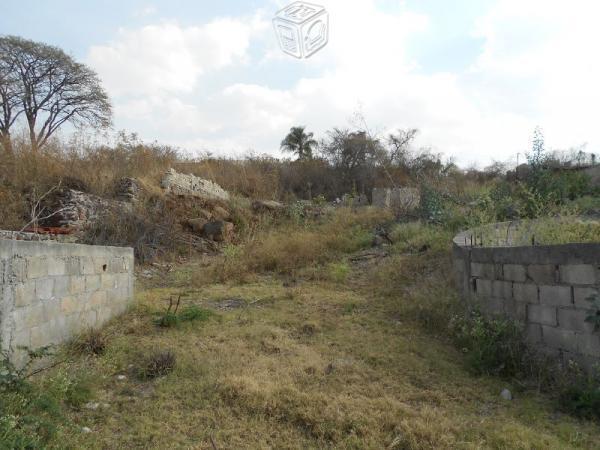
(299, 369)
(290, 247)
(252, 177)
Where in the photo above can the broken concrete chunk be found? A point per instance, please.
(181, 184)
(267, 206)
(196, 225)
(218, 231)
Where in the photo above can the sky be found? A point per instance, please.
(474, 76)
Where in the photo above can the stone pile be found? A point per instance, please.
(68, 208)
(127, 189)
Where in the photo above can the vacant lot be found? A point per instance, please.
(345, 351)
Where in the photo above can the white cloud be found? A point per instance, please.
(537, 66)
(538, 63)
(168, 57)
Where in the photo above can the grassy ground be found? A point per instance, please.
(346, 353)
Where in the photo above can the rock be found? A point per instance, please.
(121, 377)
(218, 231)
(196, 225)
(73, 209)
(86, 430)
(230, 303)
(506, 394)
(92, 405)
(350, 200)
(267, 206)
(181, 184)
(127, 189)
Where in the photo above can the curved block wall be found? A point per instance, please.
(543, 287)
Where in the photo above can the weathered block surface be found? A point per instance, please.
(50, 291)
(556, 295)
(396, 199)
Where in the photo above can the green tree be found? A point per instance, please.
(299, 142)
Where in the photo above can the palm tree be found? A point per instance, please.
(299, 142)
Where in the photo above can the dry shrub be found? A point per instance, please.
(157, 364)
(80, 166)
(14, 209)
(150, 235)
(284, 251)
(295, 246)
(255, 177)
(91, 342)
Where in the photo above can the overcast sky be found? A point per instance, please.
(474, 76)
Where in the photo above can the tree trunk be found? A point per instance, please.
(32, 136)
(6, 144)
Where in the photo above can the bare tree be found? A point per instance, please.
(399, 144)
(38, 213)
(52, 89)
(9, 102)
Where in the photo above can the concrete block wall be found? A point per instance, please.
(50, 291)
(397, 199)
(543, 287)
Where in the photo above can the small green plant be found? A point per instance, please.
(594, 316)
(320, 200)
(195, 313)
(432, 205)
(27, 414)
(172, 317)
(13, 377)
(338, 272)
(349, 308)
(295, 212)
(491, 346)
(580, 393)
